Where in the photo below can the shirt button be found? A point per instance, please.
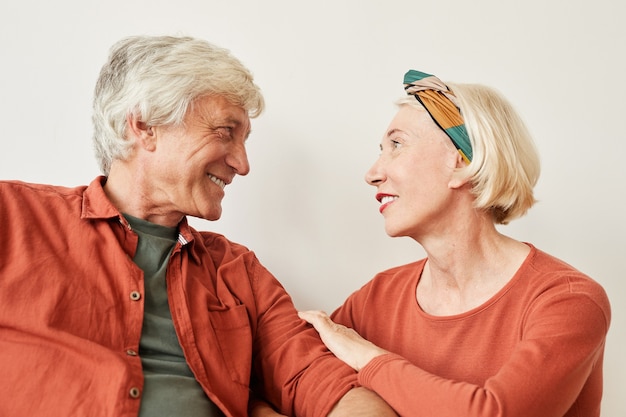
(131, 352)
(134, 392)
(135, 295)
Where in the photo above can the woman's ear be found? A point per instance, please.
(143, 134)
(459, 180)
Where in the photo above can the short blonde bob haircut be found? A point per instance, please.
(505, 166)
(156, 79)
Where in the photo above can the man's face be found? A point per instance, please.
(193, 162)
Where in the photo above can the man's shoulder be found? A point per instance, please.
(217, 239)
(21, 195)
(17, 187)
(219, 246)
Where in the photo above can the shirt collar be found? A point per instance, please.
(97, 206)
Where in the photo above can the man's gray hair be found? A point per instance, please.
(155, 79)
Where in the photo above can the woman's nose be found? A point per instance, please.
(374, 175)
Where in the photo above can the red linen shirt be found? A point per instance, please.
(71, 308)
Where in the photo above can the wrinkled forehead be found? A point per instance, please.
(218, 110)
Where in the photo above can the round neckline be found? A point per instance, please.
(479, 308)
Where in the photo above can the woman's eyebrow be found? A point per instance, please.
(393, 131)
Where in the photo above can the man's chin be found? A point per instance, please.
(207, 218)
(213, 216)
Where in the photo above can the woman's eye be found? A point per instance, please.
(389, 146)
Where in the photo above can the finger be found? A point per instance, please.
(312, 316)
(320, 321)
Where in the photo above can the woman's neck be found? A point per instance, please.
(465, 270)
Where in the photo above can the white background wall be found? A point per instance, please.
(330, 71)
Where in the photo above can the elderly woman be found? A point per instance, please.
(485, 325)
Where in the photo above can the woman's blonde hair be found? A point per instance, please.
(156, 79)
(505, 165)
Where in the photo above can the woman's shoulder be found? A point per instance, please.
(391, 282)
(399, 272)
(548, 268)
(550, 277)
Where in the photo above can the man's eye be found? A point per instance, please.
(224, 131)
(395, 144)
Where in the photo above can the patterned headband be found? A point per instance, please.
(442, 106)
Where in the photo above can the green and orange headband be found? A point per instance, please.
(442, 106)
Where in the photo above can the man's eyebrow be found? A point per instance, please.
(231, 121)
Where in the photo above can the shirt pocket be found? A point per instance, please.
(234, 338)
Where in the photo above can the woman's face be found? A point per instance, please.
(413, 173)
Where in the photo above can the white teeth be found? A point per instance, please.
(218, 181)
(387, 199)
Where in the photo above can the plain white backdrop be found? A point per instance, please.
(330, 71)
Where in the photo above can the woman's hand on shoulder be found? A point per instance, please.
(345, 343)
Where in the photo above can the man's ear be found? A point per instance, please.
(143, 133)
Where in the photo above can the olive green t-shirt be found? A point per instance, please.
(170, 388)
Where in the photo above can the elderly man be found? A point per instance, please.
(112, 305)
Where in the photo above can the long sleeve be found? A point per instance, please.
(299, 374)
(534, 349)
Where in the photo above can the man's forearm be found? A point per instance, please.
(258, 408)
(361, 402)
